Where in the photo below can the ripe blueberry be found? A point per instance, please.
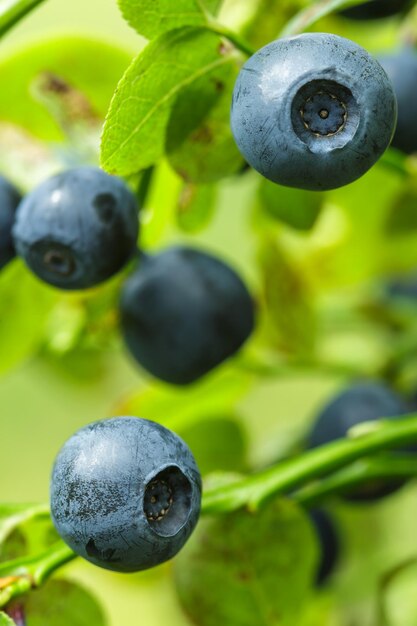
(77, 228)
(363, 402)
(9, 200)
(401, 68)
(314, 111)
(329, 544)
(125, 493)
(183, 312)
(376, 9)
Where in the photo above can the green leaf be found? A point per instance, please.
(196, 207)
(290, 317)
(218, 444)
(5, 620)
(199, 143)
(64, 59)
(25, 304)
(151, 18)
(135, 131)
(64, 603)
(296, 207)
(24, 529)
(175, 408)
(247, 568)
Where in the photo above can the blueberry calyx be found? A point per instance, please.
(59, 261)
(324, 114)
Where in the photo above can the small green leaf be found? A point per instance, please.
(179, 408)
(290, 317)
(217, 443)
(135, 131)
(296, 207)
(64, 603)
(196, 207)
(200, 144)
(25, 304)
(151, 18)
(5, 620)
(247, 568)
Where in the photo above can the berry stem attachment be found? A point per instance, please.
(12, 11)
(235, 39)
(21, 575)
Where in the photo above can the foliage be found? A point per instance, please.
(318, 265)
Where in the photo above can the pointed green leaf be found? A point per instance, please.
(248, 568)
(151, 18)
(5, 620)
(134, 134)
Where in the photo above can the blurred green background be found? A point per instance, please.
(46, 397)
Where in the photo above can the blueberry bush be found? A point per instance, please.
(208, 302)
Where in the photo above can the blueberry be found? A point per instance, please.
(401, 68)
(376, 9)
(9, 200)
(363, 402)
(183, 312)
(329, 544)
(77, 228)
(125, 493)
(314, 111)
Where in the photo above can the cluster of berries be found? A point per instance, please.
(182, 311)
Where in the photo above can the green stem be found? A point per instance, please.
(12, 11)
(20, 576)
(233, 37)
(288, 475)
(359, 473)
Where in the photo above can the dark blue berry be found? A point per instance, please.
(9, 200)
(183, 312)
(314, 111)
(363, 402)
(376, 9)
(401, 68)
(125, 493)
(78, 228)
(329, 544)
